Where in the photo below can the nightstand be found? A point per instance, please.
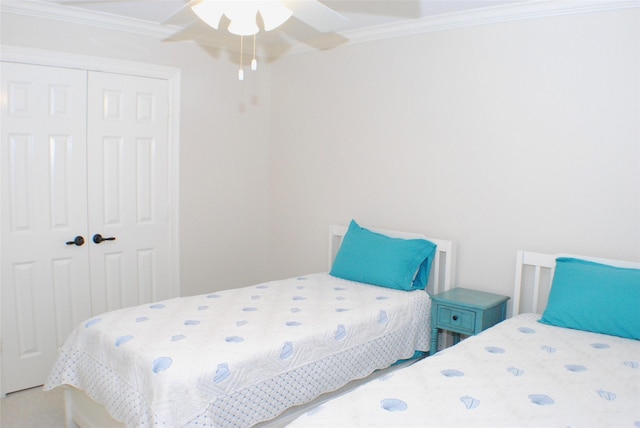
(464, 311)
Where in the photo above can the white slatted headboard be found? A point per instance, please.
(534, 276)
(543, 266)
(442, 269)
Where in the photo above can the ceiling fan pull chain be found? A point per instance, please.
(254, 63)
(241, 71)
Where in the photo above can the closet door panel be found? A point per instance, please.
(128, 190)
(83, 153)
(45, 282)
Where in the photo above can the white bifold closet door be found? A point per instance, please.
(128, 190)
(84, 159)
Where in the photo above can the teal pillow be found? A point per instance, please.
(594, 297)
(377, 259)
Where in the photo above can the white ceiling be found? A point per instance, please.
(181, 24)
(361, 13)
(367, 19)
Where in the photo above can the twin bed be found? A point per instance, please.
(569, 357)
(576, 365)
(239, 357)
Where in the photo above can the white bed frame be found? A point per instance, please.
(534, 275)
(82, 411)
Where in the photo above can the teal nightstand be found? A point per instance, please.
(464, 311)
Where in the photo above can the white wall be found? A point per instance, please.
(223, 146)
(519, 135)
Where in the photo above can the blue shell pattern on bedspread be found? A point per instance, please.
(217, 341)
(519, 373)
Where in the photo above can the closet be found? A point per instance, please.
(88, 215)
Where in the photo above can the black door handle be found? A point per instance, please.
(97, 238)
(78, 240)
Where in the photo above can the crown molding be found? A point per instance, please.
(57, 12)
(492, 15)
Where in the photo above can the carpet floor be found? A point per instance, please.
(33, 408)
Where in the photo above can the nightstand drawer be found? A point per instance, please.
(464, 311)
(456, 319)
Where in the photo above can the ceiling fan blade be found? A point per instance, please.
(93, 2)
(196, 31)
(183, 16)
(316, 15)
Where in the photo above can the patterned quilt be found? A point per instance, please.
(237, 357)
(519, 373)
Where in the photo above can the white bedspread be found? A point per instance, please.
(518, 374)
(172, 363)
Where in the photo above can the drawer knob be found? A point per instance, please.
(455, 318)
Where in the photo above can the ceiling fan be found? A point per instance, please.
(311, 12)
(248, 17)
(242, 18)
(243, 14)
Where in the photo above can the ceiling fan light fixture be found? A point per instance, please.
(243, 14)
(243, 27)
(209, 11)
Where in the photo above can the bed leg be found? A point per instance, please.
(68, 410)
